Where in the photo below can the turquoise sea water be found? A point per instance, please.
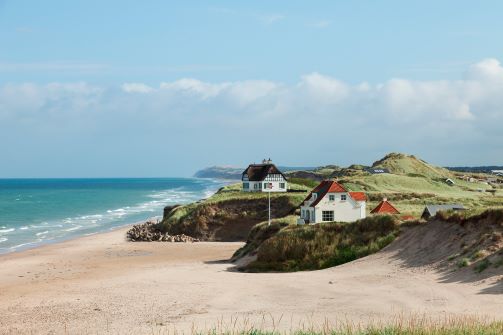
(38, 211)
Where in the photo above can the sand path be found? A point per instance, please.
(102, 284)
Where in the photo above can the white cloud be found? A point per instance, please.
(188, 85)
(319, 116)
(136, 88)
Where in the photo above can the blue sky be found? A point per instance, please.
(157, 88)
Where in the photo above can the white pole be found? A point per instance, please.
(269, 207)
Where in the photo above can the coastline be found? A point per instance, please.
(36, 245)
(105, 284)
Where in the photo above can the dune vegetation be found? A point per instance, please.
(230, 214)
(411, 184)
(289, 247)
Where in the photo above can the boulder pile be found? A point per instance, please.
(151, 231)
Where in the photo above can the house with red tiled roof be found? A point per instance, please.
(385, 207)
(330, 201)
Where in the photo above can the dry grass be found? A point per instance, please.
(266, 324)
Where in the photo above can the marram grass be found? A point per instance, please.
(458, 327)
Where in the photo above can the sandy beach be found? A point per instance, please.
(102, 284)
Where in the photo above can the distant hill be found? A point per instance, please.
(402, 164)
(220, 172)
(234, 173)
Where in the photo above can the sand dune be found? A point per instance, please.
(103, 284)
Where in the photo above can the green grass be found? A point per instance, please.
(482, 265)
(464, 262)
(410, 194)
(465, 326)
(311, 247)
(231, 205)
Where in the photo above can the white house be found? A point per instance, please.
(265, 177)
(330, 201)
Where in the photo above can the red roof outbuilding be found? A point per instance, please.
(385, 207)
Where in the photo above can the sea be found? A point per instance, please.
(40, 211)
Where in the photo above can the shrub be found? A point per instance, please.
(482, 265)
(464, 262)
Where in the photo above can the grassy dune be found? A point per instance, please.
(286, 247)
(412, 183)
(230, 214)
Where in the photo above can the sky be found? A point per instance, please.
(164, 88)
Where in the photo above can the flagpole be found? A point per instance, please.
(269, 207)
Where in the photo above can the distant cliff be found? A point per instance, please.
(220, 172)
(234, 173)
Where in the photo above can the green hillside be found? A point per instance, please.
(230, 214)
(410, 185)
(402, 164)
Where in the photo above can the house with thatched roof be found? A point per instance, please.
(265, 177)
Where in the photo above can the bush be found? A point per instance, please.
(464, 262)
(482, 265)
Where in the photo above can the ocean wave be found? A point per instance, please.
(154, 201)
(73, 228)
(8, 230)
(3, 239)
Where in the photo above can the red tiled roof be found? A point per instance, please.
(358, 196)
(385, 207)
(315, 190)
(331, 186)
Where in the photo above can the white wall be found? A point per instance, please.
(347, 210)
(275, 186)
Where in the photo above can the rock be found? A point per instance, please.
(152, 231)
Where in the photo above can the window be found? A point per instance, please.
(343, 197)
(246, 186)
(255, 186)
(302, 214)
(281, 185)
(327, 215)
(260, 185)
(331, 197)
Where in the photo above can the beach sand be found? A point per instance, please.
(102, 284)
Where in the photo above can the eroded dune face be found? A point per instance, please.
(462, 249)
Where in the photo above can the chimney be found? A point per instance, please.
(384, 199)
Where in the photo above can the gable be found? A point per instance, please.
(259, 172)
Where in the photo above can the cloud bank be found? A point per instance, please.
(320, 119)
